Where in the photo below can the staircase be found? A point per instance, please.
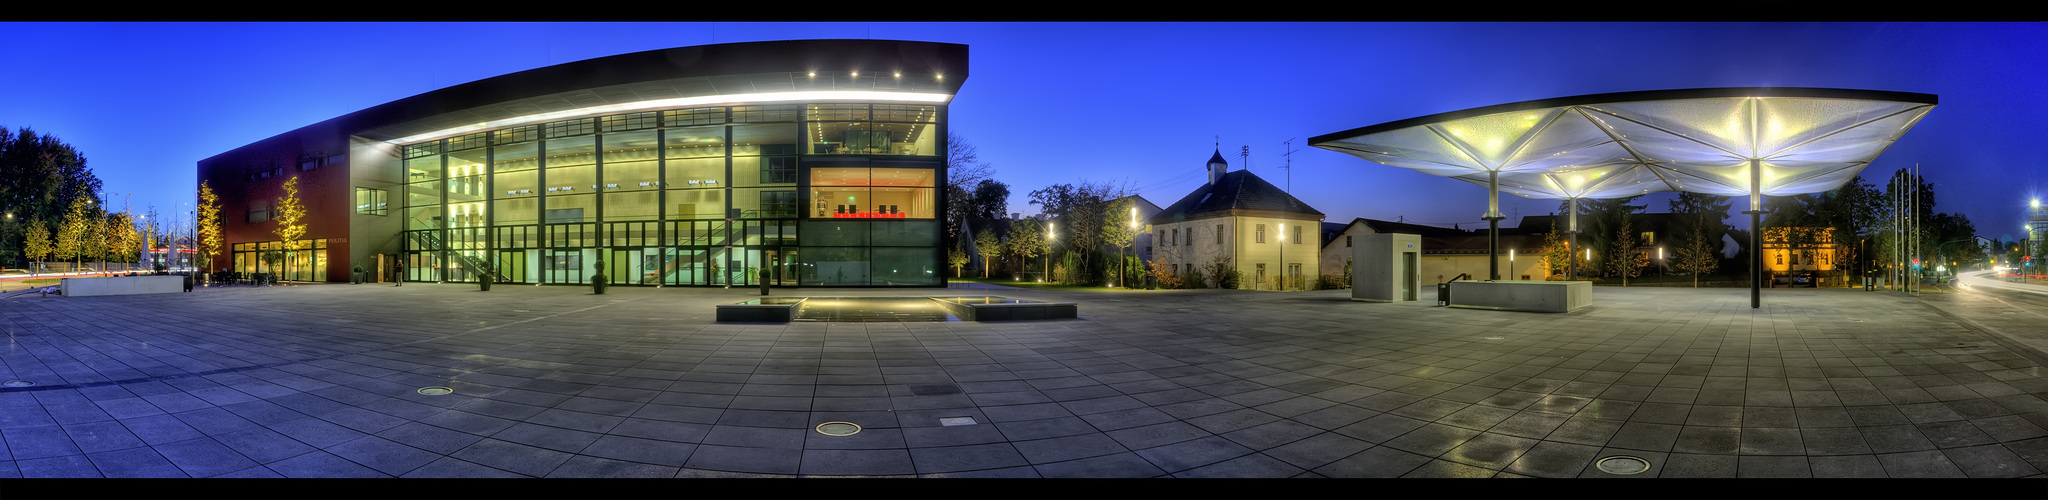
(429, 239)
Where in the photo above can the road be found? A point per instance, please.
(2015, 314)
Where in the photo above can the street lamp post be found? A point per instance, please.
(1051, 243)
(1283, 257)
(1121, 277)
(1511, 263)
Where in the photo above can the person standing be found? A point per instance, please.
(399, 276)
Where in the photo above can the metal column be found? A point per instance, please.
(1493, 225)
(1756, 229)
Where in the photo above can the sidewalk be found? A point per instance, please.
(322, 381)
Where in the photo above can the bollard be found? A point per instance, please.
(764, 281)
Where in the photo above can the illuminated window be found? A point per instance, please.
(370, 201)
(1259, 235)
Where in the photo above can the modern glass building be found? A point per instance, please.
(820, 162)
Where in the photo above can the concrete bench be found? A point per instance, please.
(1534, 296)
(121, 285)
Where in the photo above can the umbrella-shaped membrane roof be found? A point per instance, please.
(1630, 143)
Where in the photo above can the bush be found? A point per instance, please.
(1163, 276)
(1194, 279)
(1328, 282)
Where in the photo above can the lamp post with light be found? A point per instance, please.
(1283, 257)
(1123, 276)
(1660, 264)
(1050, 243)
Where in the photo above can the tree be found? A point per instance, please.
(41, 177)
(1623, 258)
(988, 247)
(1027, 240)
(1118, 228)
(1695, 253)
(37, 245)
(74, 232)
(1080, 209)
(958, 258)
(1557, 254)
(123, 240)
(291, 214)
(207, 226)
(964, 171)
(1602, 218)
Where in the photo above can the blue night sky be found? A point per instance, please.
(1138, 104)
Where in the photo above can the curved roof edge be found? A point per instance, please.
(1639, 95)
(723, 64)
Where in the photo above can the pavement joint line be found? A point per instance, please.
(104, 383)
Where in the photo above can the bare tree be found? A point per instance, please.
(1624, 258)
(1696, 253)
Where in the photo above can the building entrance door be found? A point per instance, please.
(1408, 278)
(780, 261)
(512, 265)
(627, 266)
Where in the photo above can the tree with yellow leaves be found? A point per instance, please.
(291, 216)
(208, 226)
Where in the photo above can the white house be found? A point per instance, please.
(1241, 220)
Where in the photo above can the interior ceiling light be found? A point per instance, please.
(712, 100)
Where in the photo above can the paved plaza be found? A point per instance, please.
(323, 381)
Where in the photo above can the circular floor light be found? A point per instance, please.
(436, 391)
(1623, 465)
(838, 428)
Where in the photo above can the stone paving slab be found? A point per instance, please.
(320, 381)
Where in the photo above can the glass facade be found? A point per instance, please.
(823, 194)
(309, 263)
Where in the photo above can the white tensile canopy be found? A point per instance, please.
(1799, 140)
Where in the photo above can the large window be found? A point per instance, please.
(370, 201)
(885, 193)
(668, 179)
(859, 129)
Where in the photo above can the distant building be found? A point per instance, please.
(1245, 223)
(1803, 256)
(1450, 252)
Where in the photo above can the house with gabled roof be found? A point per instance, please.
(1241, 222)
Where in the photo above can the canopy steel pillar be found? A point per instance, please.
(1571, 244)
(1493, 225)
(1756, 229)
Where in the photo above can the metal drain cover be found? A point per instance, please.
(436, 391)
(19, 383)
(1623, 465)
(956, 421)
(838, 428)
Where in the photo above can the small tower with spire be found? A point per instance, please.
(1217, 166)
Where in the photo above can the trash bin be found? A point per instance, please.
(1443, 294)
(1869, 283)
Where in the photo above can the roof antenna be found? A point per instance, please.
(1290, 161)
(1244, 155)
